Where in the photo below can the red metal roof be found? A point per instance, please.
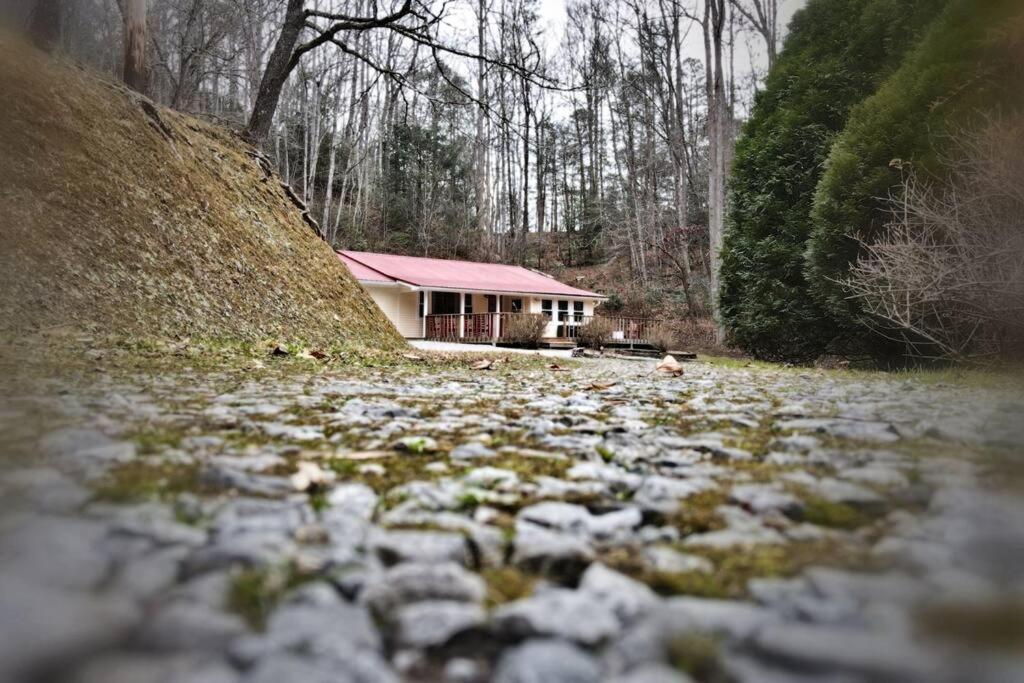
(361, 272)
(436, 273)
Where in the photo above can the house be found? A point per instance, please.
(428, 298)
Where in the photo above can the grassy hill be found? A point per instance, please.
(124, 218)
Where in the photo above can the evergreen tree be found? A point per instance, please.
(838, 53)
(967, 66)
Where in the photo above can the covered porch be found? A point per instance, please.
(487, 318)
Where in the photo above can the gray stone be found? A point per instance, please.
(393, 547)
(578, 521)
(359, 668)
(547, 661)
(463, 670)
(140, 668)
(149, 575)
(43, 626)
(877, 657)
(550, 553)
(334, 630)
(671, 561)
(653, 673)
(836, 491)
(181, 626)
(795, 443)
(559, 613)
(227, 478)
(85, 449)
(876, 475)
(627, 598)
(491, 477)
(247, 550)
(559, 516)
(414, 582)
(762, 498)
(46, 490)
(662, 494)
(472, 450)
(358, 500)
(433, 623)
(650, 640)
(416, 444)
(54, 551)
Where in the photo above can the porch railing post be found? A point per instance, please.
(462, 315)
(426, 310)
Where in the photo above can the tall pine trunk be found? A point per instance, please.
(135, 76)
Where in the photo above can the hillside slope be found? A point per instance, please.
(131, 219)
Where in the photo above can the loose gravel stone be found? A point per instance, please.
(547, 661)
(414, 582)
(493, 561)
(558, 613)
(433, 623)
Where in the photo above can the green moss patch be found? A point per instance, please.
(984, 626)
(734, 567)
(698, 513)
(254, 593)
(142, 480)
(506, 584)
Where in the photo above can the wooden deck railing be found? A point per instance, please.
(621, 329)
(489, 327)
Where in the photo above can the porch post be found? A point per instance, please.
(426, 310)
(462, 315)
(497, 318)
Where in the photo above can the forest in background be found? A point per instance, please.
(633, 148)
(584, 148)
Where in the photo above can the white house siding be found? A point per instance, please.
(401, 308)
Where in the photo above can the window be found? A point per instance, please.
(545, 307)
(563, 310)
(492, 303)
(467, 307)
(422, 300)
(577, 310)
(517, 305)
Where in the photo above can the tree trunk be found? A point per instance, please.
(45, 24)
(135, 76)
(276, 73)
(718, 133)
(481, 184)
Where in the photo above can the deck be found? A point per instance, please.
(492, 328)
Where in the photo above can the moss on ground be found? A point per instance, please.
(985, 626)
(148, 479)
(696, 655)
(506, 584)
(698, 514)
(735, 567)
(833, 515)
(254, 592)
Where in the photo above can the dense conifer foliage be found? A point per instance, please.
(837, 54)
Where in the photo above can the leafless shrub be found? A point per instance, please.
(595, 333)
(946, 277)
(698, 333)
(662, 337)
(526, 329)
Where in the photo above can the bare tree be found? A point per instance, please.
(947, 277)
(763, 17)
(45, 24)
(135, 74)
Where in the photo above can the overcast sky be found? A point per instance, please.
(461, 21)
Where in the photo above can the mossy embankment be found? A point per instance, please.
(122, 218)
